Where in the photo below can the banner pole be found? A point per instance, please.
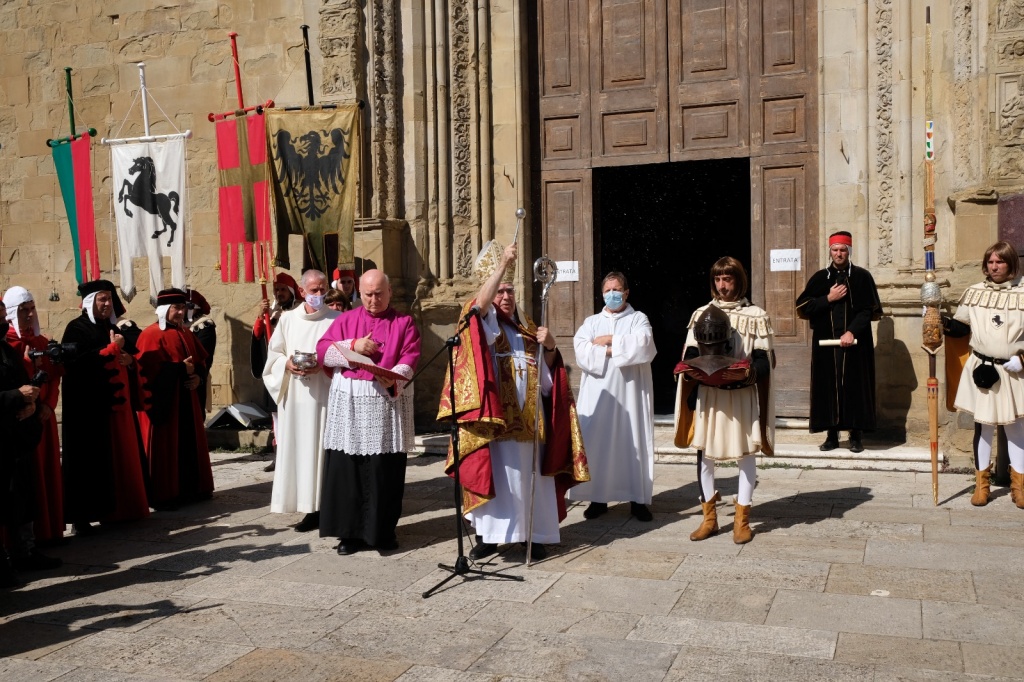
(238, 73)
(145, 104)
(309, 68)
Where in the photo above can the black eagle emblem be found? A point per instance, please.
(311, 168)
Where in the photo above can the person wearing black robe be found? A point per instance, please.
(21, 429)
(197, 315)
(102, 451)
(840, 302)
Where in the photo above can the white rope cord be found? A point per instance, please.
(166, 117)
(127, 113)
(287, 78)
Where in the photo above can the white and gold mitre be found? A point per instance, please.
(489, 260)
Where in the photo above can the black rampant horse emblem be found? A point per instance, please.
(997, 321)
(143, 194)
(311, 168)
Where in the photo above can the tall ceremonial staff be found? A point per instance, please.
(931, 294)
(546, 272)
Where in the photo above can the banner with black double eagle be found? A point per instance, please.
(314, 160)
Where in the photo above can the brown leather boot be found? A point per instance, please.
(741, 533)
(709, 526)
(981, 487)
(1016, 488)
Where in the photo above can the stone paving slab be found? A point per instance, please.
(281, 592)
(424, 673)
(259, 625)
(990, 659)
(716, 664)
(366, 569)
(987, 623)
(279, 664)
(896, 652)
(734, 603)
(382, 636)
(612, 593)
(739, 637)
(776, 573)
(905, 583)
(799, 548)
(941, 555)
(846, 613)
(553, 656)
(142, 654)
(626, 563)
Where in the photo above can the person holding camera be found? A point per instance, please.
(991, 386)
(24, 336)
(841, 302)
(20, 425)
(103, 454)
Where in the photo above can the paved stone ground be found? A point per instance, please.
(853, 575)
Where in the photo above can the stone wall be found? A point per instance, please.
(447, 144)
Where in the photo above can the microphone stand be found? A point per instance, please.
(461, 567)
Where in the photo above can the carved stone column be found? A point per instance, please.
(884, 144)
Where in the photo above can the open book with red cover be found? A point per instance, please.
(710, 369)
(359, 361)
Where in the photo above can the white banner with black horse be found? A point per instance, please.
(149, 193)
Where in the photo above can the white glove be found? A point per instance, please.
(1013, 364)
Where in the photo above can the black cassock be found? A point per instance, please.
(842, 379)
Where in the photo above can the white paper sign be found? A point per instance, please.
(568, 271)
(784, 260)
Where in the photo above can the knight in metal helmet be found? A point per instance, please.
(725, 407)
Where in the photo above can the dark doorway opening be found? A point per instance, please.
(664, 225)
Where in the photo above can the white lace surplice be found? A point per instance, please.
(362, 418)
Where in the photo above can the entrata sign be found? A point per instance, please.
(785, 260)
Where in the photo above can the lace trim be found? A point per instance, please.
(368, 424)
(333, 356)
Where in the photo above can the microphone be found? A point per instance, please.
(473, 312)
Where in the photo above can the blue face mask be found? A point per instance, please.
(613, 300)
(315, 301)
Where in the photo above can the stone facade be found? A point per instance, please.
(447, 144)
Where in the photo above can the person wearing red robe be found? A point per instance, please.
(102, 457)
(172, 364)
(23, 335)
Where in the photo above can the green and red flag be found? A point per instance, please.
(74, 172)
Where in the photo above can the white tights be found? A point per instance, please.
(1014, 445)
(748, 476)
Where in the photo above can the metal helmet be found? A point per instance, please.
(712, 331)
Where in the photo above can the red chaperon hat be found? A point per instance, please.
(287, 280)
(841, 238)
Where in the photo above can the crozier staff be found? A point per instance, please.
(497, 363)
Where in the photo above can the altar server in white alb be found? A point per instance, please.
(614, 350)
(301, 395)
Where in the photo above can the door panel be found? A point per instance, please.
(784, 216)
(564, 83)
(567, 216)
(783, 80)
(707, 54)
(627, 77)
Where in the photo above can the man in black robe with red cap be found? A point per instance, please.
(102, 454)
(840, 302)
